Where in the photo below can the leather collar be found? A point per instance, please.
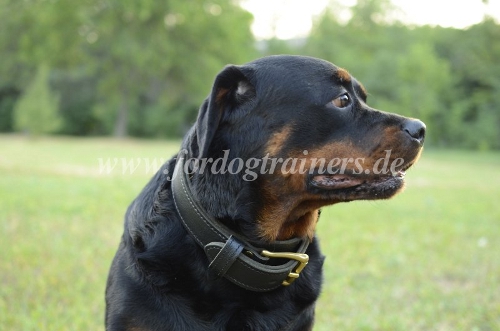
(253, 266)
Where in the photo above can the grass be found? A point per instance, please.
(426, 260)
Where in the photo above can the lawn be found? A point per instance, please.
(428, 259)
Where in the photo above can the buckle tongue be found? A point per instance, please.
(302, 258)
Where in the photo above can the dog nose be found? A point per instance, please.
(416, 129)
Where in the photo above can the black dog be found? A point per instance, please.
(229, 244)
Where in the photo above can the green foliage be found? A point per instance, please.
(424, 95)
(8, 98)
(143, 56)
(153, 49)
(36, 112)
(473, 56)
(78, 97)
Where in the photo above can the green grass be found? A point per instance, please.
(426, 260)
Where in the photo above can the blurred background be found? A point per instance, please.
(95, 95)
(142, 68)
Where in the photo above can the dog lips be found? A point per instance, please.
(335, 181)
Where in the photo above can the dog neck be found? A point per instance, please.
(245, 263)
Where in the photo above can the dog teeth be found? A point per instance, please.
(400, 173)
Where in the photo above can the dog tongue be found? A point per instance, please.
(335, 181)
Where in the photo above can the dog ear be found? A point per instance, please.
(231, 89)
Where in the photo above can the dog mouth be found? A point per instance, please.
(343, 181)
(346, 187)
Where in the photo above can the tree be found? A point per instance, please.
(36, 112)
(426, 91)
(473, 56)
(354, 43)
(147, 58)
(165, 52)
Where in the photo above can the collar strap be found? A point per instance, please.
(253, 266)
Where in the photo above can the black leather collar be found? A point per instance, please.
(252, 266)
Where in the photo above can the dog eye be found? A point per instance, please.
(343, 101)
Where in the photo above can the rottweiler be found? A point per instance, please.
(223, 236)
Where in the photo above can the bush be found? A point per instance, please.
(36, 112)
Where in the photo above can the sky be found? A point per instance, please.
(287, 19)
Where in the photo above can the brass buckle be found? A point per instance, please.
(303, 259)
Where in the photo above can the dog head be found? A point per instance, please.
(311, 138)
